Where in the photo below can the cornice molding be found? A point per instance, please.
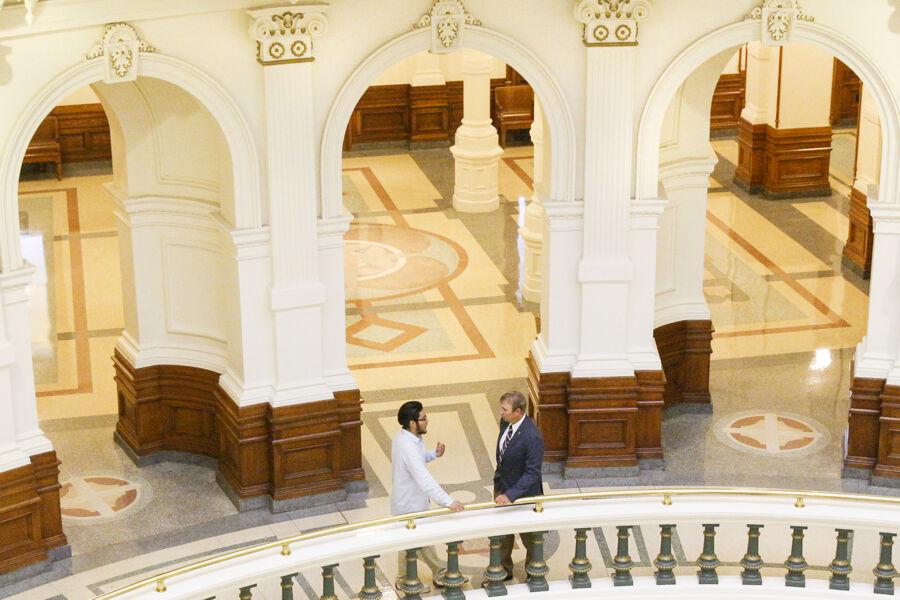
(447, 20)
(611, 22)
(777, 19)
(284, 34)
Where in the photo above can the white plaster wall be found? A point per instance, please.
(83, 95)
(868, 145)
(402, 72)
(806, 75)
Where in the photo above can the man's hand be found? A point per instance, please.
(439, 449)
(502, 500)
(456, 506)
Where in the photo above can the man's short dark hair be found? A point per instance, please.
(517, 401)
(410, 411)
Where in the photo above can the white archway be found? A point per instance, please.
(553, 103)
(245, 159)
(731, 36)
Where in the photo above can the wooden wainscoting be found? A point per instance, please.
(603, 418)
(797, 162)
(403, 113)
(889, 434)
(846, 90)
(291, 452)
(83, 132)
(685, 348)
(548, 393)
(728, 101)
(30, 517)
(864, 427)
(860, 236)
(651, 386)
(750, 170)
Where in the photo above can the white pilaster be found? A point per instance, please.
(427, 70)
(682, 238)
(476, 149)
(331, 266)
(761, 85)
(297, 294)
(606, 271)
(557, 344)
(877, 354)
(642, 249)
(868, 146)
(532, 231)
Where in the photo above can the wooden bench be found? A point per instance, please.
(514, 106)
(44, 146)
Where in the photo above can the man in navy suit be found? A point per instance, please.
(520, 453)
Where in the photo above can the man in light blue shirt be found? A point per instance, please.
(413, 486)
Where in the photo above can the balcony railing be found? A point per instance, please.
(738, 517)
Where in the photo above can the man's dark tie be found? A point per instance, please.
(509, 434)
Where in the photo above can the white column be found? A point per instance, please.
(297, 293)
(606, 271)
(642, 248)
(331, 266)
(761, 84)
(682, 240)
(20, 436)
(868, 146)
(427, 70)
(532, 231)
(557, 344)
(877, 353)
(476, 150)
(250, 376)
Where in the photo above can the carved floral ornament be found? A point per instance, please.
(121, 46)
(777, 19)
(448, 20)
(285, 35)
(611, 22)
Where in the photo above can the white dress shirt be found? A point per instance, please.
(412, 484)
(512, 426)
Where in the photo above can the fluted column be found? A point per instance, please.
(284, 48)
(532, 230)
(427, 70)
(476, 150)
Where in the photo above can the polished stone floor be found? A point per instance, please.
(434, 313)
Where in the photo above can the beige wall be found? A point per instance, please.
(806, 73)
(83, 95)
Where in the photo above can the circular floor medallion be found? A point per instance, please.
(771, 433)
(91, 498)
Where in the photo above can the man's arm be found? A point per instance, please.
(423, 478)
(534, 457)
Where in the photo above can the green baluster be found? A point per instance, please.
(246, 594)
(453, 579)
(328, 583)
(708, 560)
(410, 584)
(885, 571)
(287, 586)
(665, 561)
(795, 563)
(622, 562)
(537, 569)
(370, 589)
(752, 561)
(840, 567)
(495, 573)
(580, 565)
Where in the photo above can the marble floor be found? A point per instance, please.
(434, 313)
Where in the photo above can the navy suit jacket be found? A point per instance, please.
(518, 473)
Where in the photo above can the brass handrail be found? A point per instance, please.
(665, 494)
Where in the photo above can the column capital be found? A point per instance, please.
(564, 216)
(332, 231)
(687, 173)
(14, 284)
(645, 213)
(611, 22)
(284, 34)
(885, 217)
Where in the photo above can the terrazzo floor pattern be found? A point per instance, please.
(466, 320)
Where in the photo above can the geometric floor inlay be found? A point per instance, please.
(91, 498)
(770, 433)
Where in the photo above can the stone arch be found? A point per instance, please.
(248, 209)
(553, 103)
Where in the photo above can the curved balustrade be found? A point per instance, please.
(707, 516)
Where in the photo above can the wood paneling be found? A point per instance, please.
(864, 426)
(288, 452)
(381, 115)
(30, 519)
(728, 101)
(797, 162)
(429, 111)
(889, 433)
(651, 387)
(83, 132)
(860, 236)
(548, 393)
(846, 89)
(602, 415)
(751, 166)
(684, 349)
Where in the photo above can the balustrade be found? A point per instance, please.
(572, 509)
